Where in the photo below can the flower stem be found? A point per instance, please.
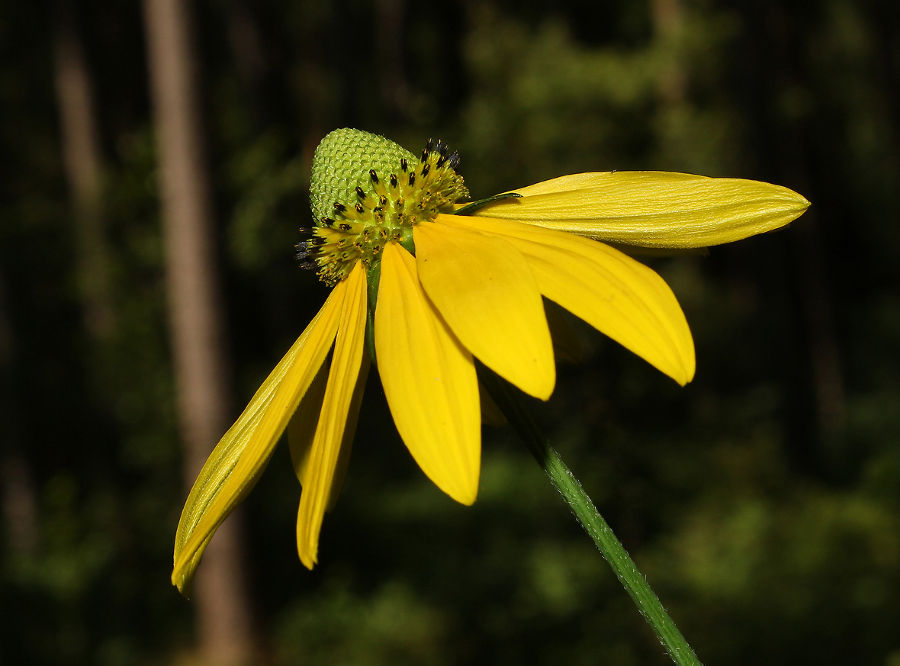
(590, 519)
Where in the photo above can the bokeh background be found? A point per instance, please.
(761, 501)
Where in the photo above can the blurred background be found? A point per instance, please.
(154, 175)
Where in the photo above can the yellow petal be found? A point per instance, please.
(324, 455)
(429, 380)
(608, 289)
(486, 293)
(302, 429)
(302, 426)
(241, 454)
(653, 208)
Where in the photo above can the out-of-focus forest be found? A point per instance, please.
(155, 166)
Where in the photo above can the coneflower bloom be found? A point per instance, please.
(429, 284)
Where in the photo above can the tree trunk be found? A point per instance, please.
(84, 172)
(201, 366)
(667, 26)
(18, 499)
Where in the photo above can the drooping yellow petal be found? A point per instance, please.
(241, 454)
(486, 293)
(429, 380)
(654, 209)
(302, 428)
(608, 289)
(320, 470)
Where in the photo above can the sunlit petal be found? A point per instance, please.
(487, 294)
(429, 380)
(653, 208)
(241, 454)
(319, 473)
(608, 289)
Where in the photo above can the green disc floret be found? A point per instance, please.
(367, 191)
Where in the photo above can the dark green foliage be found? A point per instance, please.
(762, 501)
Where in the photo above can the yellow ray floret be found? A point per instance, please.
(429, 380)
(487, 294)
(617, 295)
(241, 454)
(319, 472)
(653, 209)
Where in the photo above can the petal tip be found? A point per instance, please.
(686, 374)
(465, 496)
(308, 559)
(182, 581)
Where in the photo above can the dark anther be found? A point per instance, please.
(454, 160)
(360, 209)
(403, 164)
(382, 200)
(339, 207)
(412, 178)
(360, 193)
(308, 265)
(344, 227)
(443, 148)
(393, 180)
(441, 160)
(302, 250)
(377, 210)
(429, 145)
(425, 169)
(373, 175)
(327, 221)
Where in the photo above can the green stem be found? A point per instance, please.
(593, 523)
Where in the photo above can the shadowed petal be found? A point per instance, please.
(320, 470)
(429, 380)
(608, 289)
(486, 293)
(302, 428)
(653, 208)
(241, 454)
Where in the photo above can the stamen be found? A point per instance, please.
(360, 193)
(373, 176)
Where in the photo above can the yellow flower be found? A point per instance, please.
(433, 284)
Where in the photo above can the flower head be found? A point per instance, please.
(433, 283)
